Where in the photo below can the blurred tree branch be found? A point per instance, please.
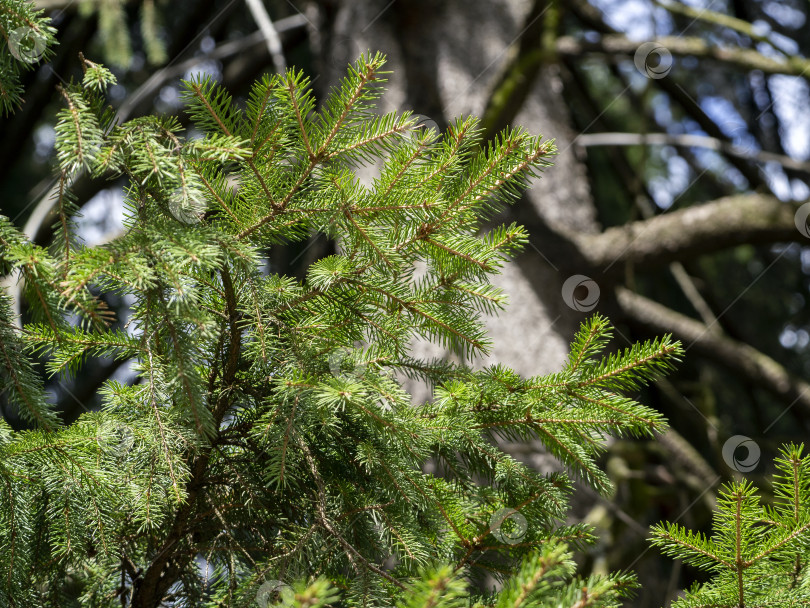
(521, 69)
(689, 141)
(592, 18)
(686, 233)
(742, 359)
(711, 17)
(747, 59)
(635, 188)
(269, 33)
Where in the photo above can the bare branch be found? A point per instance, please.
(746, 59)
(696, 299)
(740, 358)
(719, 19)
(724, 223)
(222, 51)
(689, 141)
(269, 33)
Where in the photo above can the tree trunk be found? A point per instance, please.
(446, 59)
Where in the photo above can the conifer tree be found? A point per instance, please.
(267, 452)
(757, 554)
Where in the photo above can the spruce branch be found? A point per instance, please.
(756, 552)
(267, 429)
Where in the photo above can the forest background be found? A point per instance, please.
(675, 203)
